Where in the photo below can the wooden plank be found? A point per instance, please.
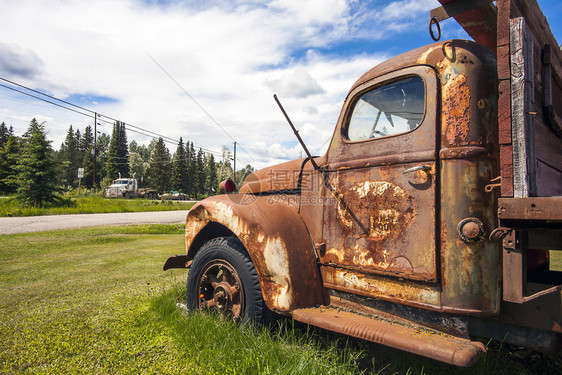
(522, 96)
(549, 151)
(550, 180)
(504, 112)
(504, 100)
(514, 264)
(540, 29)
(506, 170)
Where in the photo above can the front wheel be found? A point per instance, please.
(222, 278)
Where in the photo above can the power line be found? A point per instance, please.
(45, 100)
(130, 127)
(200, 106)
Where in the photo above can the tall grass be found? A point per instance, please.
(96, 301)
(90, 205)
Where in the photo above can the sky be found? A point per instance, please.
(206, 71)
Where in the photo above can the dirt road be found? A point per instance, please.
(10, 225)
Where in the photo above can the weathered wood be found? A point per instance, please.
(514, 266)
(504, 112)
(540, 29)
(522, 117)
(506, 170)
(504, 100)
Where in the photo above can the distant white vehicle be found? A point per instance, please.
(129, 188)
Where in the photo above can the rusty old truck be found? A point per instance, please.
(431, 219)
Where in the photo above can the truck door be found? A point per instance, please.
(380, 211)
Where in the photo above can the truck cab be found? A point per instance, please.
(122, 187)
(400, 233)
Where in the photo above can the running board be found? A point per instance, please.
(396, 333)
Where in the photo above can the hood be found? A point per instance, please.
(279, 177)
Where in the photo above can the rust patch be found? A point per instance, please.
(396, 290)
(392, 205)
(456, 111)
(277, 263)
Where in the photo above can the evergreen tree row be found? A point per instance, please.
(188, 170)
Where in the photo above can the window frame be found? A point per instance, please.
(358, 95)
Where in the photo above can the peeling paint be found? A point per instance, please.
(383, 288)
(277, 262)
(456, 111)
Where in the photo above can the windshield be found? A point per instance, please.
(394, 108)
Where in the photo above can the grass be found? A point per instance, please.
(97, 301)
(91, 205)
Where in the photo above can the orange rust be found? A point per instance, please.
(456, 111)
(279, 247)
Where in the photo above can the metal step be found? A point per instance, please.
(397, 333)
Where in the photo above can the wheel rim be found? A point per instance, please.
(219, 289)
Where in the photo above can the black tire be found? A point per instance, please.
(204, 291)
(126, 195)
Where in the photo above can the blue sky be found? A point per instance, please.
(230, 56)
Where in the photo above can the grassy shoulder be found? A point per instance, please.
(91, 205)
(97, 301)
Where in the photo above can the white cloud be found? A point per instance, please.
(231, 57)
(297, 83)
(18, 61)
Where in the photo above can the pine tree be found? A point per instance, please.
(9, 157)
(70, 159)
(123, 150)
(212, 183)
(118, 153)
(86, 141)
(200, 178)
(5, 133)
(102, 149)
(37, 182)
(88, 165)
(158, 170)
(179, 169)
(191, 170)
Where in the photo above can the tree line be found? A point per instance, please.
(104, 158)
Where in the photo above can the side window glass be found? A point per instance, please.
(394, 108)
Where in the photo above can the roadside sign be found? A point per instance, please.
(80, 172)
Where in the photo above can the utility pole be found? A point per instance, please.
(95, 148)
(234, 177)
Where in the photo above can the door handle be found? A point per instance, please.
(417, 168)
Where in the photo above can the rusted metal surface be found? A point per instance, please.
(412, 293)
(276, 240)
(280, 177)
(374, 215)
(451, 324)
(478, 19)
(471, 270)
(177, 261)
(218, 288)
(373, 226)
(521, 210)
(401, 218)
(372, 222)
(397, 333)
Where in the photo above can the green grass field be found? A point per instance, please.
(96, 301)
(91, 205)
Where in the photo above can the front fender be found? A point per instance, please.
(276, 239)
